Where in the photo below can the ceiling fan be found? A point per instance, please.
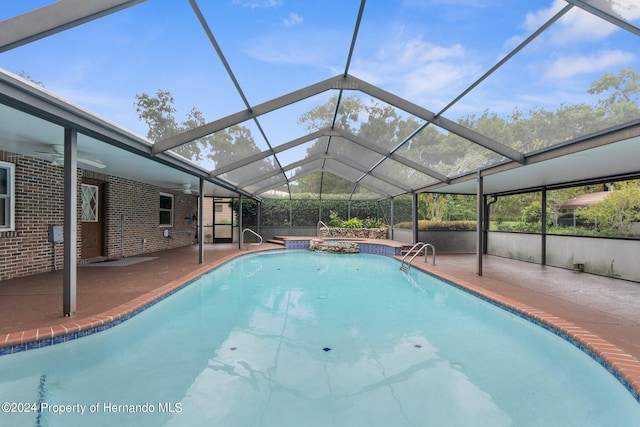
(186, 189)
(56, 157)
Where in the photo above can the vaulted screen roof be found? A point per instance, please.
(344, 99)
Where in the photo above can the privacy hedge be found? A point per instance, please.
(424, 225)
(305, 212)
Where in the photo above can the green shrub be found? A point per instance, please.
(352, 223)
(424, 225)
(372, 223)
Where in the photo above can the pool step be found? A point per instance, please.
(278, 240)
(407, 249)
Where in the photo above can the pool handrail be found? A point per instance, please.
(255, 234)
(406, 265)
(320, 225)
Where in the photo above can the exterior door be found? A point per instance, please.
(223, 221)
(92, 218)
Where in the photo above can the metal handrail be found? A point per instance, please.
(321, 224)
(406, 265)
(255, 234)
(433, 253)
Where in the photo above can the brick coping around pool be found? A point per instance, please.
(621, 364)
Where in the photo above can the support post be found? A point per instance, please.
(486, 223)
(213, 219)
(479, 226)
(240, 234)
(543, 228)
(290, 216)
(201, 222)
(414, 216)
(392, 219)
(69, 280)
(259, 218)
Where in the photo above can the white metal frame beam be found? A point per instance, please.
(54, 18)
(266, 153)
(339, 82)
(332, 133)
(248, 114)
(320, 169)
(320, 156)
(439, 121)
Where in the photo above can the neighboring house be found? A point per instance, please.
(568, 217)
(117, 217)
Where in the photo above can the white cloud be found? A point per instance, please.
(275, 52)
(626, 9)
(415, 69)
(577, 25)
(293, 19)
(255, 4)
(570, 66)
(534, 20)
(307, 47)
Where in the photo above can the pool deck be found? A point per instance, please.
(599, 312)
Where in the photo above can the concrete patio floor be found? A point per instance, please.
(609, 308)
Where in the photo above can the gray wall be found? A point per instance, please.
(452, 242)
(521, 246)
(606, 257)
(617, 258)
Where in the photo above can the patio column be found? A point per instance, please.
(392, 219)
(201, 222)
(414, 216)
(69, 279)
(259, 218)
(213, 219)
(241, 235)
(479, 231)
(543, 228)
(290, 215)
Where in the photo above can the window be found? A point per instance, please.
(89, 203)
(7, 196)
(166, 210)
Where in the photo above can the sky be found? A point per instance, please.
(427, 51)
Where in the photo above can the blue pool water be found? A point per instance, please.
(295, 338)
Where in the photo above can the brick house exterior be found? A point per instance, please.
(131, 218)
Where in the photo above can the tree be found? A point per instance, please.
(618, 211)
(157, 112)
(622, 88)
(26, 76)
(223, 147)
(322, 116)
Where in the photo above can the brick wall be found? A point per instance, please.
(38, 200)
(133, 219)
(132, 215)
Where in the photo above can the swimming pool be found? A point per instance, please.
(300, 338)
